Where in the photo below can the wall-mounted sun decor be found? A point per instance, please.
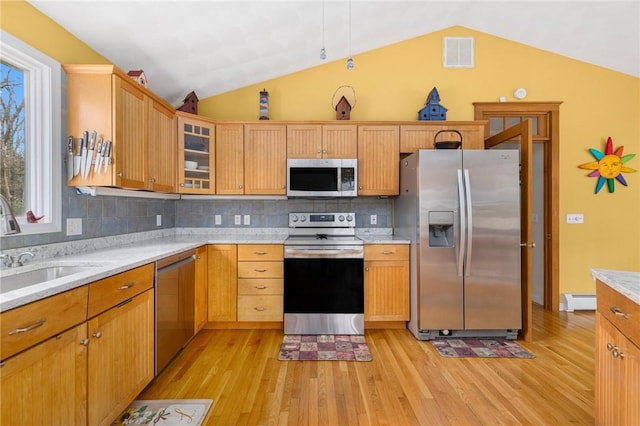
(608, 166)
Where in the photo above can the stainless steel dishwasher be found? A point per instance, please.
(175, 305)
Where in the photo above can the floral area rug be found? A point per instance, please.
(324, 347)
(166, 412)
(480, 348)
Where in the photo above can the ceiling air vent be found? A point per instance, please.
(458, 52)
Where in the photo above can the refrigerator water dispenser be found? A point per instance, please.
(441, 229)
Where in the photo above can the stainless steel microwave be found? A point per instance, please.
(308, 177)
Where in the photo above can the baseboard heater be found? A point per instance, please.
(578, 302)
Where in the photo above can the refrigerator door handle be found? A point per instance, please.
(469, 225)
(463, 221)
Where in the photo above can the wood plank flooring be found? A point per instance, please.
(407, 383)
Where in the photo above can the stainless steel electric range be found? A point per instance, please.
(323, 275)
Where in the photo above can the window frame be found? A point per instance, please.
(43, 124)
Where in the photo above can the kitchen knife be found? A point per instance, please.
(77, 160)
(107, 155)
(70, 158)
(96, 167)
(91, 145)
(83, 155)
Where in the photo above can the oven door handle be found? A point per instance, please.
(306, 253)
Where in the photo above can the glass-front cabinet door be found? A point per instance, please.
(196, 155)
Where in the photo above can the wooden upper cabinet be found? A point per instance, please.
(197, 150)
(265, 159)
(162, 148)
(322, 141)
(136, 121)
(229, 159)
(422, 136)
(378, 160)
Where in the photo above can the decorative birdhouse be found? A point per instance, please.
(432, 109)
(139, 76)
(264, 105)
(190, 104)
(343, 109)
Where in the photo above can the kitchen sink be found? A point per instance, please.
(10, 280)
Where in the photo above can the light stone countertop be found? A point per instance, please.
(112, 255)
(626, 283)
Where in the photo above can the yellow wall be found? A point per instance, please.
(392, 83)
(31, 26)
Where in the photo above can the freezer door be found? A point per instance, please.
(492, 268)
(440, 287)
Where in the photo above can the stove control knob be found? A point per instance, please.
(341, 218)
(349, 218)
(303, 218)
(294, 218)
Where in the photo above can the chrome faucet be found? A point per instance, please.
(9, 224)
(16, 260)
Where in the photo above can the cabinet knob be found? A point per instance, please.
(152, 180)
(360, 187)
(617, 354)
(366, 269)
(84, 342)
(120, 174)
(97, 334)
(240, 187)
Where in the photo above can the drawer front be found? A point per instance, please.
(260, 308)
(386, 252)
(260, 286)
(260, 270)
(628, 318)
(106, 293)
(30, 324)
(260, 252)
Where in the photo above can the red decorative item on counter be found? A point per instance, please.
(31, 218)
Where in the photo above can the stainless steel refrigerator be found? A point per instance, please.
(461, 211)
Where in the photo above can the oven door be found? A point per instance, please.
(323, 296)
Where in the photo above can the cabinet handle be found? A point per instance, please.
(97, 334)
(366, 269)
(120, 174)
(386, 252)
(152, 180)
(617, 311)
(617, 354)
(610, 346)
(37, 324)
(240, 186)
(260, 308)
(260, 287)
(84, 342)
(260, 253)
(126, 286)
(260, 270)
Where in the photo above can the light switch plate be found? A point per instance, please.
(237, 219)
(374, 219)
(247, 219)
(575, 218)
(158, 220)
(218, 219)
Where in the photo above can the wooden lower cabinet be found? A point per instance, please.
(200, 313)
(222, 293)
(260, 282)
(47, 384)
(617, 359)
(121, 357)
(386, 282)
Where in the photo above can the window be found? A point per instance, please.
(30, 167)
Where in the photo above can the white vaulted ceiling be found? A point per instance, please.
(216, 46)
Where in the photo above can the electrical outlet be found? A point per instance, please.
(158, 220)
(575, 218)
(74, 226)
(374, 219)
(247, 219)
(237, 219)
(218, 219)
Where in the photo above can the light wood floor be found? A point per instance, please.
(407, 383)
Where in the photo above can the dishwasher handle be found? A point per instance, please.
(174, 262)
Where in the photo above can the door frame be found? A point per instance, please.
(549, 114)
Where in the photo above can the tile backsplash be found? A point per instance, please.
(104, 216)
